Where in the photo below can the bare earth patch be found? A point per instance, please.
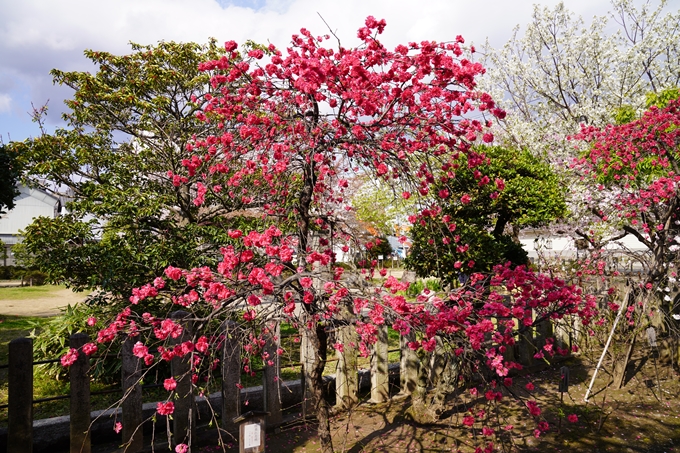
(644, 416)
(45, 305)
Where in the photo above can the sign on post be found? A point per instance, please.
(251, 431)
(564, 379)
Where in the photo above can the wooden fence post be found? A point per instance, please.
(231, 377)
(379, 377)
(524, 346)
(409, 365)
(347, 373)
(80, 397)
(307, 354)
(271, 375)
(544, 330)
(131, 370)
(184, 416)
(20, 389)
(562, 334)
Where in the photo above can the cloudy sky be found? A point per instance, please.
(38, 35)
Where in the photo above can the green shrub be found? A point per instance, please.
(415, 288)
(53, 342)
(433, 284)
(11, 272)
(34, 278)
(419, 285)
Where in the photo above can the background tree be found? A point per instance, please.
(381, 205)
(480, 210)
(129, 215)
(637, 168)
(563, 72)
(9, 177)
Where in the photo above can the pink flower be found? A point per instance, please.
(469, 420)
(69, 358)
(118, 427)
(253, 300)
(573, 418)
(202, 345)
(89, 348)
(534, 410)
(183, 448)
(170, 384)
(139, 350)
(173, 273)
(529, 387)
(91, 321)
(165, 408)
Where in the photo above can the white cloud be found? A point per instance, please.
(5, 102)
(37, 35)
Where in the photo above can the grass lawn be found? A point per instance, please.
(28, 292)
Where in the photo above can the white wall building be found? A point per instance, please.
(29, 204)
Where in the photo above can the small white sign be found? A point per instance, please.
(251, 435)
(380, 257)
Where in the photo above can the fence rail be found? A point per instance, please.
(21, 401)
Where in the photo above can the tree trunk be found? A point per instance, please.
(319, 339)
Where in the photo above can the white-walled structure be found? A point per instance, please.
(30, 203)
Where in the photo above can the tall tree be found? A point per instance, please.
(9, 177)
(290, 128)
(563, 72)
(127, 133)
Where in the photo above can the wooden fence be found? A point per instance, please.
(20, 404)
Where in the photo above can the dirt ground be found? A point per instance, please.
(644, 416)
(42, 306)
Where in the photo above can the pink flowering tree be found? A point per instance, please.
(294, 125)
(635, 167)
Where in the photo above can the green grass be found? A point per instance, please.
(28, 292)
(12, 327)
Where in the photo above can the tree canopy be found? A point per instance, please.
(480, 211)
(116, 162)
(563, 72)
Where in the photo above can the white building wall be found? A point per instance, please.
(29, 204)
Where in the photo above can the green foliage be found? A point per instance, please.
(129, 126)
(53, 341)
(10, 170)
(379, 206)
(11, 272)
(419, 285)
(382, 247)
(532, 196)
(624, 114)
(662, 98)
